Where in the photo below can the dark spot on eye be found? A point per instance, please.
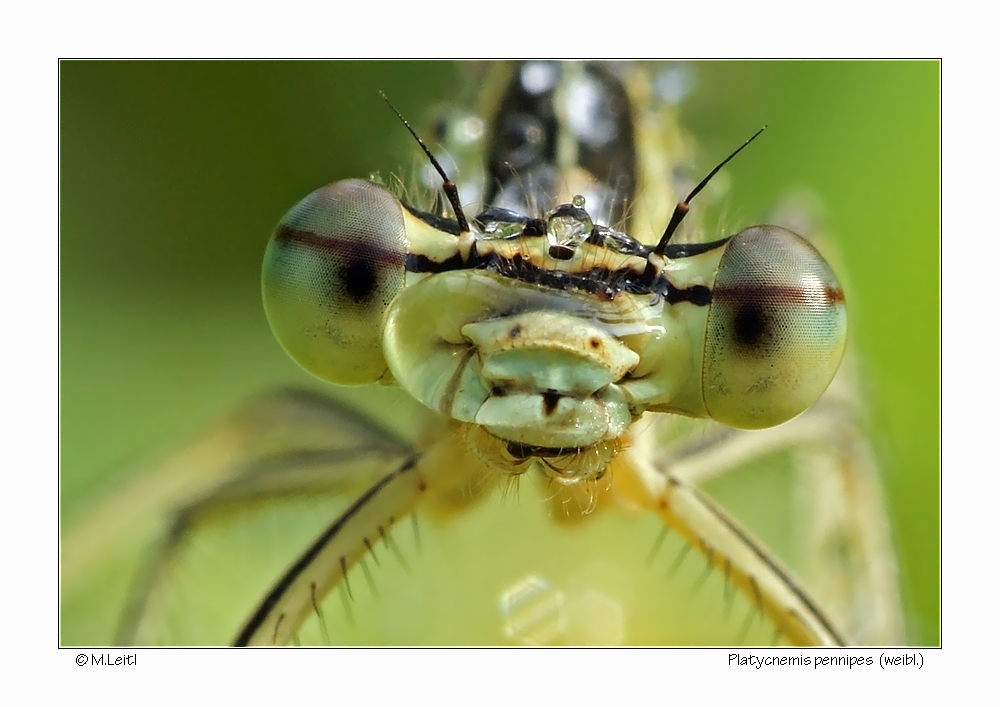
(750, 326)
(595, 344)
(357, 280)
(515, 331)
(550, 400)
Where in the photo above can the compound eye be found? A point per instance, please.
(333, 266)
(777, 329)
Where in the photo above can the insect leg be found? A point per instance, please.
(326, 562)
(285, 445)
(844, 540)
(751, 569)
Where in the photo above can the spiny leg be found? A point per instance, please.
(280, 421)
(844, 536)
(292, 445)
(281, 476)
(844, 539)
(750, 568)
(328, 560)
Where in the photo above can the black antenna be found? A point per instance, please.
(681, 210)
(450, 190)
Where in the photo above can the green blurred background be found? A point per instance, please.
(173, 175)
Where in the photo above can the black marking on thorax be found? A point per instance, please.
(522, 159)
(528, 126)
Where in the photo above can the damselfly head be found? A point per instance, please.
(553, 332)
